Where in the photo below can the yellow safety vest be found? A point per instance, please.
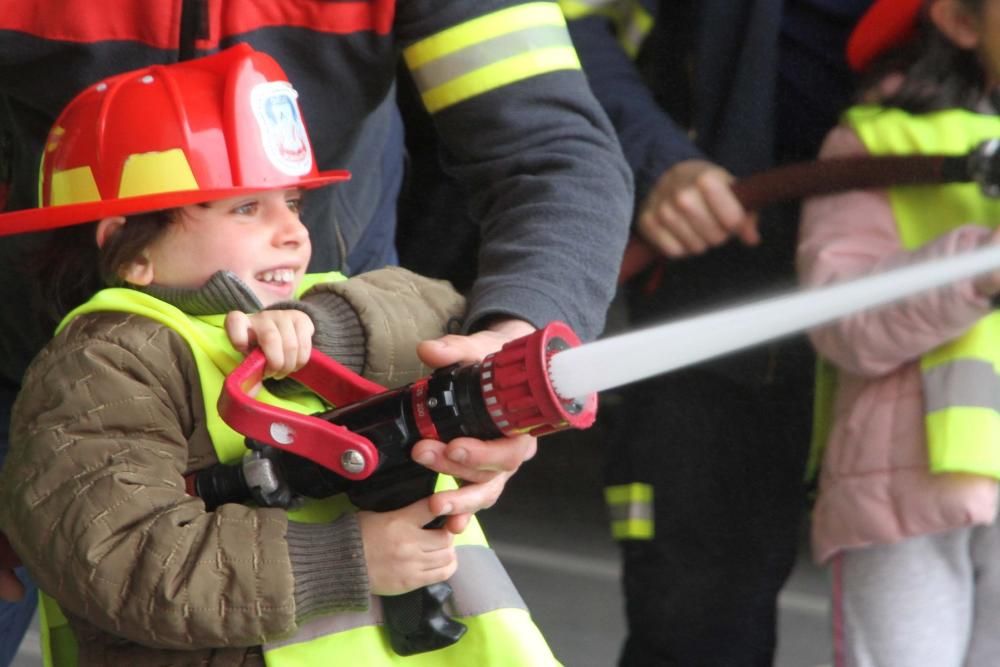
(500, 630)
(961, 379)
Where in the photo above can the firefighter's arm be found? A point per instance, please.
(523, 134)
(685, 203)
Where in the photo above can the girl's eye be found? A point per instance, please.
(246, 209)
(294, 204)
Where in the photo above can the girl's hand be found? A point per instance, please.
(284, 336)
(401, 554)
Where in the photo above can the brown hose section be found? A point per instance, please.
(807, 179)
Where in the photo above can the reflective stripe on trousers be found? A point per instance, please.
(631, 509)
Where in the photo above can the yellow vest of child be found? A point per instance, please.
(500, 630)
(961, 379)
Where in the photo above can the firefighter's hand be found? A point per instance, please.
(692, 208)
(401, 554)
(284, 336)
(486, 466)
(11, 588)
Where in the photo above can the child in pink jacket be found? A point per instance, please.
(907, 505)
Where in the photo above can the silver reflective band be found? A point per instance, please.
(480, 585)
(448, 68)
(961, 382)
(627, 511)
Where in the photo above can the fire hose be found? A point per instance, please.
(819, 177)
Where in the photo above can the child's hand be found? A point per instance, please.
(401, 554)
(284, 336)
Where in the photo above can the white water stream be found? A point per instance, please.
(619, 360)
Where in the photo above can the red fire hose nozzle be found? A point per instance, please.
(508, 393)
(518, 390)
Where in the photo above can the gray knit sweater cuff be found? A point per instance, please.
(339, 333)
(328, 565)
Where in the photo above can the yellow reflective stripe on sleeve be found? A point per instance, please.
(631, 509)
(632, 21)
(490, 52)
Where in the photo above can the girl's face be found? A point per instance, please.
(258, 237)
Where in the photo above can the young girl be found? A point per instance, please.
(907, 506)
(120, 406)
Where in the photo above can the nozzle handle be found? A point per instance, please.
(330, 445)
(417, 623)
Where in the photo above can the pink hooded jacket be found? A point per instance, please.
(875, 486)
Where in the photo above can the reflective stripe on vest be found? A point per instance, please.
(960, 378)
(632, 21)
(631, 509)
(500, 630)
(490, 52)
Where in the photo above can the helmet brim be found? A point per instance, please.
(53, 217)
(885, 25)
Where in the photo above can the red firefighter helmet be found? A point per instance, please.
(885, 25)
(172, 135)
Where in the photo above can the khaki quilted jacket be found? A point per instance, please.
(92, 497)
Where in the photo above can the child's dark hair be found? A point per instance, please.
(70, 268)
(936, 73)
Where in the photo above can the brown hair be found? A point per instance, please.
(70, 267)
(936, 73)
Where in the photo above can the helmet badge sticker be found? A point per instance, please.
(281, 130)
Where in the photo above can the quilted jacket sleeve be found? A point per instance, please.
(396, 309)
(93, 497)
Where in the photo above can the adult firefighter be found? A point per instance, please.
(705, 476)
(504, 86)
